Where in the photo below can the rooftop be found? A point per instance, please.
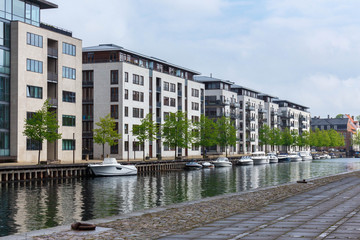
(286, 101)
(242, 87)
(43, 4)
(211, 79)
(329, 121)
(113, 47)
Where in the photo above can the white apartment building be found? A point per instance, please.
(45, 65)
(220, 101)
(129, 85)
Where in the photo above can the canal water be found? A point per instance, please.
(35, 205)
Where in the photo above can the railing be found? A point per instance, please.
(87, 83)
(251, 119)
(52, 77)
(52, 52)
(56, 29)
(88, 134)
(158, 88)
(158, 119)
(158, 104)
(88, 118)
(261, 110)
(179, 93)
(216, 102)
(235, 105)
(88, 100)
(250, 108)
(274, 113)
(250, 140)
(53, 102)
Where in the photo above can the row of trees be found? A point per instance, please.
(287, 138)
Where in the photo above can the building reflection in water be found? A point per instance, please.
(35, 205)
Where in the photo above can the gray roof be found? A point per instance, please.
(328, 121)
(113, 47)
(211, 79)
(278, 100)
(238, 86)
(44, 4)
(266, 95)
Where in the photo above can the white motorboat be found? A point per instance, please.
(316, 156)
(294, 157)
(273, 158)
(222, 162)
(283, 157)
(259, 158)
(207, 165)
(193, 165)
(305, 156)
(245, 160)
(110, 167)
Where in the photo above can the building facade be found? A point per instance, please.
(129, 85)
(41, 62)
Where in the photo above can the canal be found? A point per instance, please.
(35, 205)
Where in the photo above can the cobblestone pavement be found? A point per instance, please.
(324, 208)
(328, 212)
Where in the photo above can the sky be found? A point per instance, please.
(303, 51)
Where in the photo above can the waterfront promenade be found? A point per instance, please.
(324, 208)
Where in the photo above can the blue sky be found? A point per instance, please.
(303, 51)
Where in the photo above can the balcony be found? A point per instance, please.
(216, 103)
(158, 104)
(179, 108)
(88, 118)
(261, 110)
(52, 52)
(252, 129)
(250, 108)
(179, 93)
(250, 119)
(52, 77)
(250, 140)
(53, 102)
(158, 88)
(275, 113)
(158, 120)
(88, 101)
(235, 105)
(87, 83)
(87, 134)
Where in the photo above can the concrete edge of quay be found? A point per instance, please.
(67, 228)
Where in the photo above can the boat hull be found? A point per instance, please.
(306, 158)
(245, 162)
(274, 160)
(113, 170)
(260, 161)
(222, 164)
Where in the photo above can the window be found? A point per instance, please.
(195, 106)
(172, 102)
(138, 113)
(166, 115)
(126, 146)
(172, 87)
(126, 94)
(69, 120)
(34, 66)
(194, 92)
(69, 73)
(139, 80)
(166, 101)
(114, 112)
(114, 77)
(88, 77)
(126, 111)
(126, 128)
(29, 115)
(68, 144)
(34, 40)
(114, 94)
(166, 86)
(33, 145)
(114, 149)
(34, 92)
(138, 96)
(126, 77)
(68, 96)
(137, 146)
(194, 119)
(69, 49)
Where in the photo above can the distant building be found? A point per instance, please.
(345, 126)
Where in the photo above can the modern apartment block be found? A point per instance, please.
(39, 62)
(129, 85)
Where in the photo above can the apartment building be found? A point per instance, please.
(220, 100)
(41, 62)
(129, 85)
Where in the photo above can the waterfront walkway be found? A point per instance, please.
(328, 212)
(324, 208)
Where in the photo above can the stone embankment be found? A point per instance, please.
(160, 222)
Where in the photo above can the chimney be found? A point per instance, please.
(328, 116)
(211, 75)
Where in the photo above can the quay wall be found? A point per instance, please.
(60, 171)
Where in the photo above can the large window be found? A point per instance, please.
(69, 49)
(69, 97)
(34, 40)
(4, 116)
(126, 113)
(138, 96)
(69, 120)
(114, 94)
(194, 92)
(68, 144)
(5, 34)
(166, 86)
(114, 149)
(34, 92)
(126, 77)
(34, 65)
(114, 111)
(172, 87)
(126, 94)
(138, 113)
(195, 106)
(139, 80)
(69, 73)
(4, 89)
(114, 77)
(5, 61)
(4, 144)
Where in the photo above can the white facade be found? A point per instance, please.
(37, 61)
(141, 89)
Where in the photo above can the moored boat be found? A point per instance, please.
(283, 157)
(110, 167)
(305, 156)
(245, 160)
(193, 165)
(273, 158)
(294, 157)
(207, 165)
(222, 162)
(259, 158)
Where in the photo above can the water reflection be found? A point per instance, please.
(34, 205)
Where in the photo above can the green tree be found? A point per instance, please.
(43, 125)
(226, 132)
(264, 136)
(304, 139)
(334, 137)
(357, 118)
(205, 133)
(313, 140)
(286, 138)
(145, 131)
(176, 131)
(106, 133)
(295, 138)
(325, 139)
(339, 116)
(275, 137)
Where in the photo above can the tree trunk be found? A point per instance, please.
(39, 154)
(103, 155)
(175, 152)
(143, 151)
(226, 151)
